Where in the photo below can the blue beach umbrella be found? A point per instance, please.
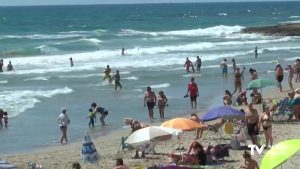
(89, 152)
(222, 112)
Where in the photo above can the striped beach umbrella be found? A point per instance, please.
(89, 152)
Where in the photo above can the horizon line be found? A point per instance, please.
(141, 3)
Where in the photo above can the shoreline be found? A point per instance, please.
(62, 156)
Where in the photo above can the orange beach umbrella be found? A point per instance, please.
(184, 124)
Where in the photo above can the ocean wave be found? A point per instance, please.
(3, 81)
(45, 49)
(292, 17)
(285, 22)
(158, 56)
(277, 48)
(222, 14)
(81, 76)
(131, 78)
(220, 30)
(159, 86)
(41, 36)
(40, 78)
(91, 40)
(192, 75)
(18, 101)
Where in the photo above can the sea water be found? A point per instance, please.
(157, 37)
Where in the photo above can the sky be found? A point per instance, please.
(76, 2)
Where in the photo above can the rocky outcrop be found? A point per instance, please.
(277, 30)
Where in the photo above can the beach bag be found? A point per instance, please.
(234, 143)
(228, 127)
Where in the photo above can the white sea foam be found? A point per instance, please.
(222, 14)
(45, 49)
(131, 78)
(158, 86)
(81, 76)
(220, 30)
(297, 21)
(192, 75)
(39, 78)
(91, 40)
(3, 81)
(292, 17)
(135, 57)
(41, 36)
(18, 101)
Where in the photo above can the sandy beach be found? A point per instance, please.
(62, 156)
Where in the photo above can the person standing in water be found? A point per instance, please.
(10, 67)
(107, 72)
(98, 109)
(193, 91)
(224, 66)
(255, 52)
(1, 65)
(162, 102)
(71, 62)
(188, 64)
(63, 121)
(198, 63)
(117, 80)
(123, 52)
(150, 100)
(233, 65)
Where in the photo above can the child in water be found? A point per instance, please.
(92, 117)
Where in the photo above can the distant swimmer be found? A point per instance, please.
(123, 52)
(117, 80)
(10, 67)
(224, 66)
(188, 64)
(71, 62)
(107, 72)
(1, 65)
(198, 63)
(255, 52)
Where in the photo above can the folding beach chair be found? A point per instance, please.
(215, 130)
(283, 111)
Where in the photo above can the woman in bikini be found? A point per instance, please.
(265, 121)
(237, 80)
(162, 102)
(150, 101)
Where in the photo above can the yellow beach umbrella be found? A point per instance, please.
(280, 153)
(184, 124)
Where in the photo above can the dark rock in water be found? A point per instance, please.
(277, 30)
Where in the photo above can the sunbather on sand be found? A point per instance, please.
(198, 157)
(249, 162)
(199, 131)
